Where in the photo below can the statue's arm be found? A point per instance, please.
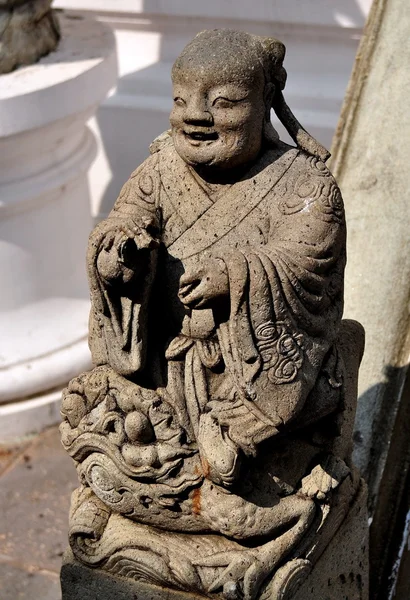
(121, 262)
(285, 310)
(119, 244)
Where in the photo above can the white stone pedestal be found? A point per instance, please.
(46, 150)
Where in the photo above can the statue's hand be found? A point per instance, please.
(203, 282)
(324, 478)
(123, 254)
(244, 573)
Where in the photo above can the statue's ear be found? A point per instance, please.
(268, 96)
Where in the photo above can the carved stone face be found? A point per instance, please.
(217, 119)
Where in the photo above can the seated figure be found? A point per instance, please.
(213, 437)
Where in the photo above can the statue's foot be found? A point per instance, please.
(244, 573)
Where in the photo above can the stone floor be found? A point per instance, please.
(36, 481)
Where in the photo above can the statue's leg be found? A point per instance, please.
(288, 521)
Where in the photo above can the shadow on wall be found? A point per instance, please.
(390, 509)
(143, 112)
(386, 421)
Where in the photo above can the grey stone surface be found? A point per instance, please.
(35, 488)
(373, 174)
(213, 437)
(18, 583)
(371, 158)
(343, 569)
(9, 454)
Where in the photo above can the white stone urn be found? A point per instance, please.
(46, 149)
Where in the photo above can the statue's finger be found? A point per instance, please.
(252, 580)
(192, 292)
(108, 240)
(189, 277)
(128, 232)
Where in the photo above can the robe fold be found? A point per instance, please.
(280, 231)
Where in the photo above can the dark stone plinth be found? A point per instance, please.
(82, 583)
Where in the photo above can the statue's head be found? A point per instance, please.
(223, 85)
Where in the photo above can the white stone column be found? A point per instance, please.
(46, 150)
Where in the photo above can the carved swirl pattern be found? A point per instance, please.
(139, 188)
(288, 579)
(146, 186)
(280, 350)
(315, 192)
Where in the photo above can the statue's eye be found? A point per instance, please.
(179, 101)
(223, 103)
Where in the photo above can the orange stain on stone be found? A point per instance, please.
(205, 467)
(196, 501)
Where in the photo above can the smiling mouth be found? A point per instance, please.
(201, 136)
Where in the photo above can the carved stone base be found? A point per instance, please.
(340, 573)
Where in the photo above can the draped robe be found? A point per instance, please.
(240, 376)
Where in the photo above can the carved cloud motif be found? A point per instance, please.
(281, 351)
(314, 191)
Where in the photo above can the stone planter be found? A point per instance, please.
(46, 150)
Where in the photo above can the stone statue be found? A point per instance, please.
(28, 30)
(213, 437)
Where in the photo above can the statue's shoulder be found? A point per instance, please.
(142, 187)
(297, 162)
(161, 142)
(309, 187)
(161, 151)
(147, 169)
(312, 167)
(300, 163)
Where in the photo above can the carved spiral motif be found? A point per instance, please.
(139, 188)
(281, 352)
(146, 185)
(331, 203)
(315, 192)
(289, 578)
(319, 165)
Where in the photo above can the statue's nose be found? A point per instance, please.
(197, 113)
